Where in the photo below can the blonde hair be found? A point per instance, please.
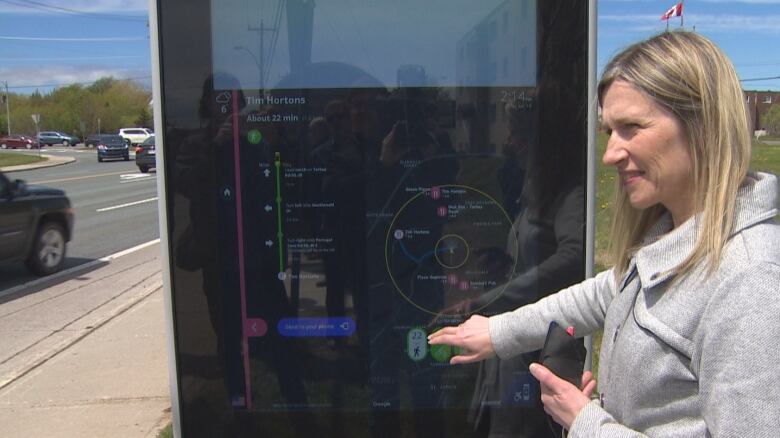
(687, 74)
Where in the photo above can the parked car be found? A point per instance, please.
(133, 136)
(112, 146)
(49, 138)
(14, 141)
(146, 155)
(36, 223)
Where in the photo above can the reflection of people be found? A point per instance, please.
(335, 150)
(545, 247)
(197, 249)
(409, 156)
(203, 166)
(696, 257)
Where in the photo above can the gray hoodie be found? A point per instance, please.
(694, 357)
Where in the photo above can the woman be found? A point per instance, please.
(690, 308)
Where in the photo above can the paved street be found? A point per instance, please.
(115, 206)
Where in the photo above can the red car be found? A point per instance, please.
(14, 141)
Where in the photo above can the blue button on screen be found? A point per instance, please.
(312, 327)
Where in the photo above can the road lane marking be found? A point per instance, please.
(75, 178)
(116, 255)
(132, 176)
(129, 204)
(136, 177)
(77, 268)
(132, 181)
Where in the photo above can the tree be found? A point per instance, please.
(144, 119)
(102, 85)
(116, 103)
(771, 121)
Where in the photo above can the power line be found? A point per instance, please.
(759, 79)
(78, 83)
(80, 40)
(46, 46)
(72, 58)
(51, 8)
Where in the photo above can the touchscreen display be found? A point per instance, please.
(346, 177)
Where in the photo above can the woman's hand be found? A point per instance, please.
(472, 336)
(562, 400)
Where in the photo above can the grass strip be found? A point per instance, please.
(16, 159)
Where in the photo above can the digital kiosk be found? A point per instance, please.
(342, 178)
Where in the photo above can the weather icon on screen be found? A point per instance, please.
(223, 97)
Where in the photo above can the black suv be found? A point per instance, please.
(35, 225)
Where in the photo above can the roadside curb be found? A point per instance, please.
(50, 162)
(77, 268)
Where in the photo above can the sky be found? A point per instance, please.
(50, 43)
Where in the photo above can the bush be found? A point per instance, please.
(771, 121)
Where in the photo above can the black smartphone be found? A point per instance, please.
(563, 354)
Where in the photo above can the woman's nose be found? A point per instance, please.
(614, 154)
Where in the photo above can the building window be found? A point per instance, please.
(767, 99)
(748, 99)
(492, 113)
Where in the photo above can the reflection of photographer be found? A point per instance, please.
(496, 263)
(405, 141)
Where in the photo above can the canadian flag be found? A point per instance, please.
(674, 11)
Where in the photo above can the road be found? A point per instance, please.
(115, 207)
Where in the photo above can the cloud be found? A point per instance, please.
(24, 79)
(766, 24)
(115, 7)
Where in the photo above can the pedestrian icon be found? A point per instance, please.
(417, 344)
(254, 136)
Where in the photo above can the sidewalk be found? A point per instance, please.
(53, 160)
(85, 356)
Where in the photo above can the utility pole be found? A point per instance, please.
(7, 106)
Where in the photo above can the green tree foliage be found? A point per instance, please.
(771, 121)
(115, 103)
(144, 119)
